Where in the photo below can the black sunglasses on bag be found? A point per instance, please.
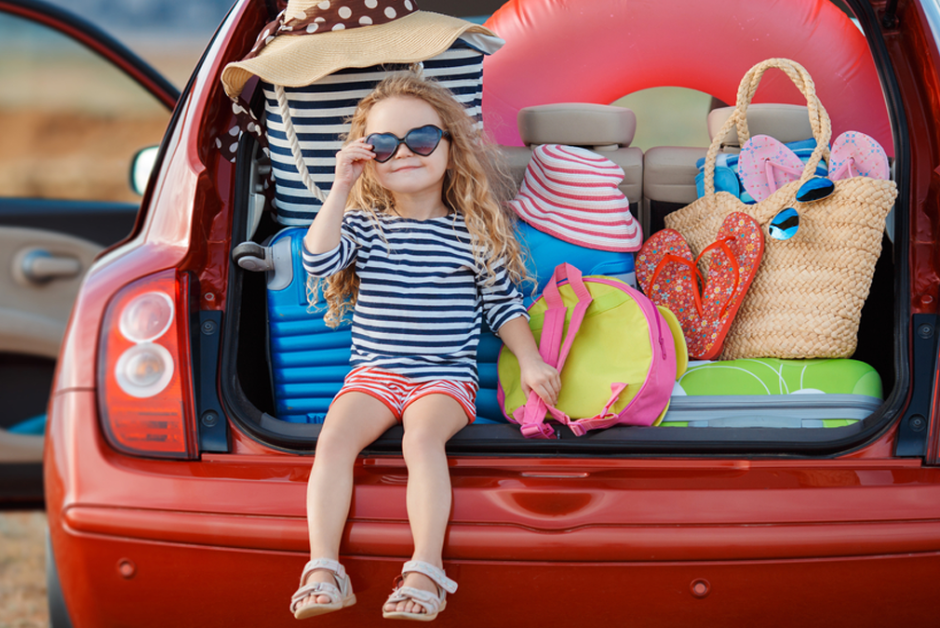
(421, 141)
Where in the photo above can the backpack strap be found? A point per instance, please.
(606, 418)
(559, 311)
(552, 348)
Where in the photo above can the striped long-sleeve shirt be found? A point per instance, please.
(421, 297)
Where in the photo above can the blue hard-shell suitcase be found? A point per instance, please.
(308, 359)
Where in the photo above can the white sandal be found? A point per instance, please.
(340, 597)
(432, 604)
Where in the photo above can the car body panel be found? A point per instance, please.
(738, 524)
(182, 182)
(923, 136)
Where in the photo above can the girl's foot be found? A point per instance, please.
(318, 575)
(418, 581)
(324, 587)
(419, 593)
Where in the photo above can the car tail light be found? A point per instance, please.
(144, 373)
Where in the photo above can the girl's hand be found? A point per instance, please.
(543, 379)
(351, 161)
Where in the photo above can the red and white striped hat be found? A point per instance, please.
(572, 194)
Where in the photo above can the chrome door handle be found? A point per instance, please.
(40, 266)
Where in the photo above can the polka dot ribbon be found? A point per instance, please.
(331, 15)
(245, 122)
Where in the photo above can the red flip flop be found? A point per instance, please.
(705, 307)
(735, 256)
(666, 272)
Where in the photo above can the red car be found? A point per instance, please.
(176, 494)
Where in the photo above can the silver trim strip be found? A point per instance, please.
(931, 10)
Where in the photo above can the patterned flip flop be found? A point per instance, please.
(855, 154)
(765, 165)
(666, 272)
(735, 256)
(705, 307)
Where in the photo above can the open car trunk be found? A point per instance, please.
(249, 392)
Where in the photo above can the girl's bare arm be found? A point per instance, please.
(324, 233)
(535, 374)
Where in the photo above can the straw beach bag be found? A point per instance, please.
(807, 296)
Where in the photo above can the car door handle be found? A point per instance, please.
(41, 266)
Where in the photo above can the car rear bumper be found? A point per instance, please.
(513, 543)
(113, 581)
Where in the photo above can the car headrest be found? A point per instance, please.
(785, 123)
(593, 126)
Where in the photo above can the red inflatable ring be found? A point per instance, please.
(599, 51)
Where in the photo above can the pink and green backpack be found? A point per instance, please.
(618, 354)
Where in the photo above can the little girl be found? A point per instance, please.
(414, 240)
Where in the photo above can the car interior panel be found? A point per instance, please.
(662, 178)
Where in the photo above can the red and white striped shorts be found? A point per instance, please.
(398, 392)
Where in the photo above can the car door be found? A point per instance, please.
(75, 107)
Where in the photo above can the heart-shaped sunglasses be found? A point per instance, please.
(421, 141)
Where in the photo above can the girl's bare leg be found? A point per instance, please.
(352, 423)
(429, 423)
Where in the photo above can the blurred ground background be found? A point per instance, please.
(22, 570)
(77, 141)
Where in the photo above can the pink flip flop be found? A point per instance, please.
(765, 164)
(855, 154)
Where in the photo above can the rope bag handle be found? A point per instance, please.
(296, 152)
(818, 118)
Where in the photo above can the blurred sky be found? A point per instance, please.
(190, 18)
(171, 34)
(199, 18)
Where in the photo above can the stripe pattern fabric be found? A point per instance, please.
(320, 114)
(571, 193)
(398, 392)
(422, 299)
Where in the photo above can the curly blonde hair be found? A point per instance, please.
(476, 184)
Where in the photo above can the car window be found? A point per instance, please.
(70, 121)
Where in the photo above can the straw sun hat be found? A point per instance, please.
(571, 193)
(311, 39)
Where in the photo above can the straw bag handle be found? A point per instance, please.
(818, 117)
